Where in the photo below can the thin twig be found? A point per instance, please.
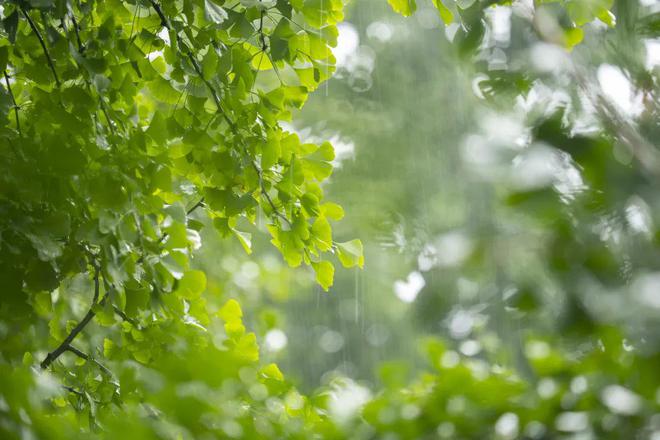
(165, 235)
(262, 186)
(81, 48)
(85, 356)
(232, 125)
(73, 390)
(195, 206)
(107, 117)
(166, 23)
(43, 45)
(125, 317)
(13, 100)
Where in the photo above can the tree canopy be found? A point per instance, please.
(129, 128)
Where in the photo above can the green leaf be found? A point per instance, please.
(192, 284)
(109, 348)
(41, 276)
(214, 13)
(163, 91)
(325, 273)
(326, 151)
(136, 300)
(10, 24)
(585, 11)
(279, 40)
(272, 371)
(310, 203)
(43, 303)
(332, 211)
(291, 248)
(105, 315)
(245, 238)
(322, 233)
(350, 253)
(162, 179)
(4, 57)
(271, 153)
(573, 37)
(445, 14)
(28, 359)
(231, 311)
(403, 7)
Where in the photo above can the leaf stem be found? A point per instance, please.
(13, 100)
(195, 206)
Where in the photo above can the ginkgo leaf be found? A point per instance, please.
(325, 273)
(403, 7)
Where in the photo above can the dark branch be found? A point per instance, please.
(73, 390)
(97, 285)
(53, 355)
(13, 100)
(43, 45)
(66, 344)
(159, 11)
(262, 38)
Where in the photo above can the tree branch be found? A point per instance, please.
(43, 45)
(66, 344)
(87, 357)
(73, 390)
(13, 100)
(97, 285)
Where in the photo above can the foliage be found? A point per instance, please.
(532, 215)
(548, 249)
(121, 121)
